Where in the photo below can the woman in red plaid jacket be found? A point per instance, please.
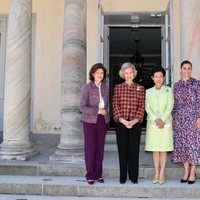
(128, 111)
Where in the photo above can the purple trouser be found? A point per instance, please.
(94, 135)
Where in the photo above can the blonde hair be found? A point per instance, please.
(126, 66)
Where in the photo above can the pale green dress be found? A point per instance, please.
(159, 104)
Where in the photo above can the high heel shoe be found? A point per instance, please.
(155, 178)
(100, 180)
(155, 181)
(90, 182)
(192, 182)
(184, 180)
(161, 182)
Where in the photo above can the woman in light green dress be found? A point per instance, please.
(159, 138)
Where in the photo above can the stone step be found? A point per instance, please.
(77, 187)
(41, 166)
(79, 170)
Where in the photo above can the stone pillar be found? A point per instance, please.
(70, 148)
(16, 144)
(190, 33)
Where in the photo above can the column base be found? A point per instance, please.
(73, 155)
(13, 151)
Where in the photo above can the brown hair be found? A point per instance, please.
(186, 62)
(94, 68)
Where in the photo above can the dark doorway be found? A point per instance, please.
(142, 47)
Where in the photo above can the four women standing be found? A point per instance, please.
(128, 111)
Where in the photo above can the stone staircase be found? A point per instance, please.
(41, 177)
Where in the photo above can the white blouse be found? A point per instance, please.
(101, 102)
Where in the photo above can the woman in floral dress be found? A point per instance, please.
(186, 118)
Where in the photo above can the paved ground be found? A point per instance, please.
(18, 197)
(110, 161)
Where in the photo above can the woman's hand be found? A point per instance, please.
(197, 123)
(159, 123)
(102, 111)
(133, 122)
(126, 123)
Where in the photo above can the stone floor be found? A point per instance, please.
(64, 175)
(25, 197)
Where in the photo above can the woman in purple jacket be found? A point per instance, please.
(95, 118)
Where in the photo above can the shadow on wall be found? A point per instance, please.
(45, 139)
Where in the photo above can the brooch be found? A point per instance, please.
(167, 90)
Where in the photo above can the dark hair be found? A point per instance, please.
(186, 62)
(94, 68)
(158, 69)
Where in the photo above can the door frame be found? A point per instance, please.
(167, 43)
(3, 27)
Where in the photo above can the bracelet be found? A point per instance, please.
(120, 119)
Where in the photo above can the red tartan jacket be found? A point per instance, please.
(128, 102)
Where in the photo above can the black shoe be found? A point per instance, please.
(122, 181)
(191, 182)
(134, 181)
(100, 180)
(183, 181)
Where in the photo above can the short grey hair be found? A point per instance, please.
(126, 66)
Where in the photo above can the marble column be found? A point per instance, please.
(190, 34)
(16, 144)
(70, 148)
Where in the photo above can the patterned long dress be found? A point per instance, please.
(185, 113)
